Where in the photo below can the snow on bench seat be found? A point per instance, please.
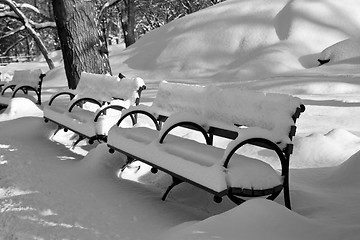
(197, 162)
(101, 97)
(245, 117)
(21, 83)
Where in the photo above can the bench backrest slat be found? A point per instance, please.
(106, 88)
(20, 76)
(270, 111)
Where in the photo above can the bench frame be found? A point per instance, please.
(237, 195)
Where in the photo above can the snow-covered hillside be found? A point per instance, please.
(50, 191)
(242, 40)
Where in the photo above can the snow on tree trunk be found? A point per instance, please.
(80, 39)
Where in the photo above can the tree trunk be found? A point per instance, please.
(128, 22)
(80, 39)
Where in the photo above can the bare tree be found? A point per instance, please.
(140, 16)
(15, 12)
(128, 22)
(127, 11)
(81, 43)
(106, 17)
(155, 13)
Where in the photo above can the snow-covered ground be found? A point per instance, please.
(49, 191)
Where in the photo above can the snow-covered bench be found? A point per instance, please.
(22, 82)
(243, 117)
(94, 106)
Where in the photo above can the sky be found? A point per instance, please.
(50, 191)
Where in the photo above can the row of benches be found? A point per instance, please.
(100, 104)
(96, 95)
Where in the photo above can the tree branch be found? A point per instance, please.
(25, 6)
(25, 21)
(42, 25)
(8, 14)
(12, 32)
(106, 5)
(36, 25)
(13, 45)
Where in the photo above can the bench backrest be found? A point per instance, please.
(20, 76)
(36, 78)
(233, 106)
(29, 77)
(106, 88)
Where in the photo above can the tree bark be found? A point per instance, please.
(128, 22)
(80, 39)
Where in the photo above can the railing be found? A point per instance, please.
(4, 60)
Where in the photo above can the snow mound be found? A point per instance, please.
(344, 51)
(347, 173)
(56, 57)
(313, 150)
(100, 157)
(32, 130)
(242, 39)
(255, 219)
(55, 77)
(20, 107)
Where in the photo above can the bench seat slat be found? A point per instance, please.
(85, 128)
(79, 120)
(195, 162)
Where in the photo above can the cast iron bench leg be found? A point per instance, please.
(129, 160)
(175, 182)
(57, 130)
(77, 141)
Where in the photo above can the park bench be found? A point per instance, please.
(94, 106)
(241, 116)
(22, 82)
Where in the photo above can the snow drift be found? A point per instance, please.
(49, 192)
(244, 39)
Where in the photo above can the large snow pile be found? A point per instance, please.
(244, 39)
(240, 224)
(345, 51)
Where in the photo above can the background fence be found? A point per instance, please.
(4, 60)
